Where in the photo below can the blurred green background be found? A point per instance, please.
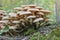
(8, 5)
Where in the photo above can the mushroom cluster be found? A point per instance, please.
(25, 16)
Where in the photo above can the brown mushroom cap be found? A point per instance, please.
(32, 6)
(5, 18)
(22, 20)
(40, 8)
(24, 13)
(33, 10)
(12, 14)
(15, 22)
(47, 20)
(3, 21)
(5, 14)
(12, 27)
(38, 19)
(20, 12)
(40, 13)
(45, 11)
(31, 17)
(2, 11)
(23, 6)
(25, 9)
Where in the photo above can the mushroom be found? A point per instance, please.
(40, 8)
(32, 6)
(38, 19)
(16, 22)
(5, 18)
(1, 26)
(33, 10)
(19, 16)
(13, 16)
(25, 9)
(37, 22)
(46, 12)
(27, 14)
(23, 6)
(5, 14)
(31, 19)
(2, 11)
(12, 27)
(47, 20)
(24, 14)
(22, 20)
(22, 23)
(4, 21)
(40, 14)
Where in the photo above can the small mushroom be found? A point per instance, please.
(38, 19)
(40, 8)
(24, 14)
(47, 20)
(13, 16)
(23, 6)
(5, 14)
(40, 14)
(33, 10)
(15, 22)
(2, 11)
(12, 27)
(32, 6)
(5, 18)
(22, 23)
(46, 12)
(2, 26)
(31, 19)
(19, 15)
(25, 9)
(20, 12)
(27, 13)
(4, 21)
(37, 22)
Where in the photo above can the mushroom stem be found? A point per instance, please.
(37, 24)
(31, 21)
(25, 16)
(33, 13)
